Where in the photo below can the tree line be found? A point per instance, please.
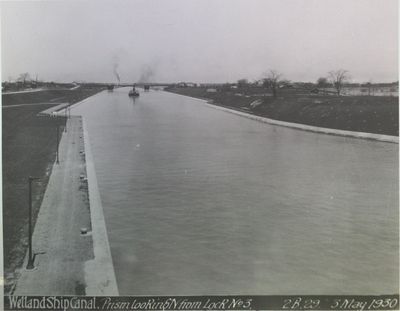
(273, 80)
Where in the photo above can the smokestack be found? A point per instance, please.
(116, 72)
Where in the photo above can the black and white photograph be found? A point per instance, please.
(200, 155)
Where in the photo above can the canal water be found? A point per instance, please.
(200, 201)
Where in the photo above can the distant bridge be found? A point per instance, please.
(138, 84)
(142, 84)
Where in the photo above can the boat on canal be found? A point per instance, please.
(133, 92)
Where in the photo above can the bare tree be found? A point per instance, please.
(273, 81)
(24, 77)
(338, 79)
(322, 82)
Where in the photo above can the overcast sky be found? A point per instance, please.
(199, 41)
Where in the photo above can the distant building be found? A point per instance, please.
(186, 84)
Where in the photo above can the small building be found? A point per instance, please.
(186, 84)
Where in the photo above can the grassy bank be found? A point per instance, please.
(29, 149)
(370, 114)
(50, 96)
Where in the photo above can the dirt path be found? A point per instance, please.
(57, 240)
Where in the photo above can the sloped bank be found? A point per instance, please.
(366, 114)
(316, 129)
(304, 127)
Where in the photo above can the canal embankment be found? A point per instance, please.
(60, 248)
(251, 114)
(365, 114)
(304, 127)
(29, 149)
(72, 255)
(99, 272)
(60, 198)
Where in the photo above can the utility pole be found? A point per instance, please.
(31, 258)
(65, 113)
(58, 134)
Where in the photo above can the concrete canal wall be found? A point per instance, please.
(68, 262)
(316, 129)
(100, 277)
(99, 272)
(304, 127)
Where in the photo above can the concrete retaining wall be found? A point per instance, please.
(99, 272)
(304, 127)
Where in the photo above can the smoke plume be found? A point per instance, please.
(116, 72)
(147, 73)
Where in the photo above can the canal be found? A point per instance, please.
(200, 201)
